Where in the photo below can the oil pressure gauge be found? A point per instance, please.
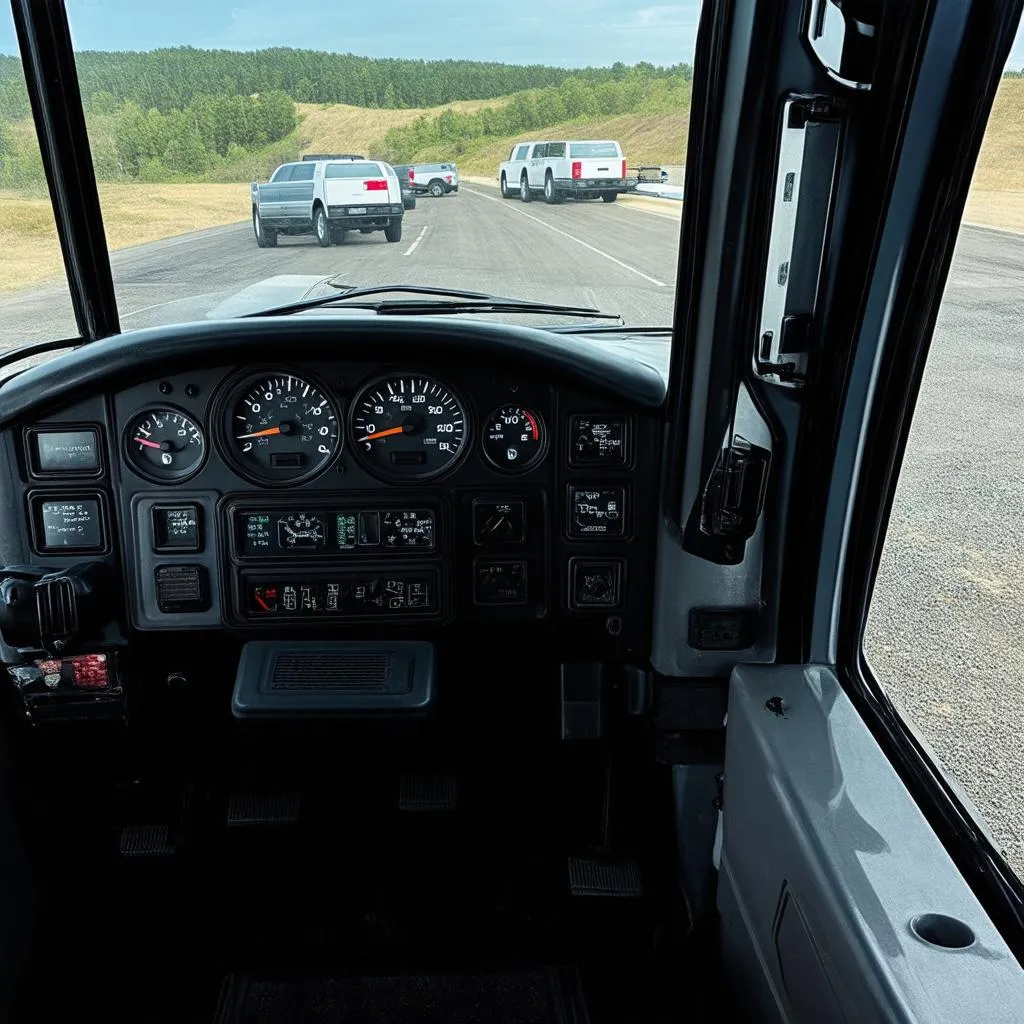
(514, 438)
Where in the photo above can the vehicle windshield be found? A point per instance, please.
(245, 158)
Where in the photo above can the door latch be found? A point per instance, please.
(844, 35)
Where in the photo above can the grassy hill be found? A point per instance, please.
(645, 139)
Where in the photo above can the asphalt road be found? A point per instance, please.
(946, 628)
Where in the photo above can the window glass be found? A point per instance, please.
(521, 154)
(303, 172)
(944, 633)
(35, 303)
(593, 149)
(556, 149)
(352, 170)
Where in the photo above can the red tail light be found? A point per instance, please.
(448, 177)
(411, 177)
(623, 168)
(577, 170)
(377, 185)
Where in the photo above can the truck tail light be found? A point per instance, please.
(411, 176)
(623, 168)
(448, 178)
(577, 170)
(377, 185)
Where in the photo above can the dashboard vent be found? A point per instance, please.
(57, 612)
(348, 673)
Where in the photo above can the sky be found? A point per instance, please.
(568, 33)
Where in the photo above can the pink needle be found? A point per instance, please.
(148, 444)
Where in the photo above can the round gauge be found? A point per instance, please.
(164, 445)
(408, 427)
(515, 438)
(282, 429)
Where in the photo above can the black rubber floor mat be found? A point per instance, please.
(542, 996)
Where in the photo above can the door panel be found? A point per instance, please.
(827, 860)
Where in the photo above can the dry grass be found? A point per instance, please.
(1001, 161)
(338, 127)
(29, 251)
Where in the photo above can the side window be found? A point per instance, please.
(523, 150)
(540, 150)
(556, 149)
(283, 173)
(943, 634)
(303, 172)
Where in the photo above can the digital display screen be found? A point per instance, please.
(597, 512)
(67, 451)
(598, 441)
(176, 528)
(70, 525)
(325, 533)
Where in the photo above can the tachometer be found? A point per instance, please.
(282, 429)
(408, 427)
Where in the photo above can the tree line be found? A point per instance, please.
(172, 78)
(574, 99)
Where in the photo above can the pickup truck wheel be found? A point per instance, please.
(609, 197)
(506, 192)
(265, 238)
(551, 194)
(436, 189)
(393, 232)
(322, 228)
(524, 189)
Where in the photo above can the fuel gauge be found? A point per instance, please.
(164, 445)
(515, 438)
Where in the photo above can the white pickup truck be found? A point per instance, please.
(584, 169)
(328, 197)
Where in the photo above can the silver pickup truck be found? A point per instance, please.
(328, 197)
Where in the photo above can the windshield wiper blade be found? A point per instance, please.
(473, 302)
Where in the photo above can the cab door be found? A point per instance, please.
(535, 170)
(831, 149)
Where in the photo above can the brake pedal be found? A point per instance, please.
(604, 878)
(146, 841)
(428, 793)
(262, 809)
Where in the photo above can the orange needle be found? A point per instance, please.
(260, 433)
(385, 433)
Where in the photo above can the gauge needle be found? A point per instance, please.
(260, 433)
(385, 433)
(148, 444)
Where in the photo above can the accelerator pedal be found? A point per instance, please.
(248, 809)
(590, 877)
(428, 793)
(137, 841)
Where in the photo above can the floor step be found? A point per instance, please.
(146, 841)
(262, 809)
(593, 877)
(428, 793)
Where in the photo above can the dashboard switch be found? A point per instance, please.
(181, 588)
(176, 528)
(369, 529)
(595, 583)
(500, 583)
(498, 522)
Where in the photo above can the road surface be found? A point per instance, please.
(946, 627)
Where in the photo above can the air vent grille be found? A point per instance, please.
(340, 673)
(57, 612)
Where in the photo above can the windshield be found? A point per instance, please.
(216, 131)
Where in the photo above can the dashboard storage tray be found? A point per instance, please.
(310, 680)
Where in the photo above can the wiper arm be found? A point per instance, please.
(473, 302)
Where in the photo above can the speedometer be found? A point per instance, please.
(282, 429)
(408, 427)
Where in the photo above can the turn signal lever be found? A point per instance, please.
(45, 611)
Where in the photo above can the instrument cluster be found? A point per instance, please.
(280, 429)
